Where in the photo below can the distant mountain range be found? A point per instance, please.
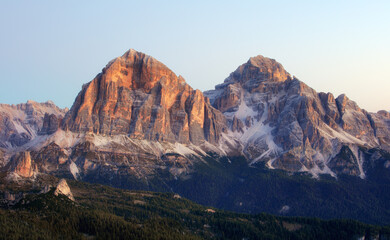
(138, 125)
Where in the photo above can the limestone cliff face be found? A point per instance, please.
(63, 188)
(282, 121)
(51, 123)
(21, 123)
(259, 111)
(23, 165)
(137, 95)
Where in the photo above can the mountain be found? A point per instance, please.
(288, 125)
(136, 115)
(137, 95)
(21, 123)
(253, 144)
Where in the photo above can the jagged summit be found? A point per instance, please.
(21, 123)
(137, 95)
(136, 70)
(260, 69)
(138, 107)
(133, 54)
(138, 125)
(285, 123)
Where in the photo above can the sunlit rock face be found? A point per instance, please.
(63, 188)
(282, 121)
(137, 118)
(137, 95)
(23, 165)
(21, 123)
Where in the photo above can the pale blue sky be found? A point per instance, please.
(48, 49)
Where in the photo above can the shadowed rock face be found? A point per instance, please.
(21, 123)
(50, 158)
(50, 124)
(137, 95)
(345, 162)
(291, 126)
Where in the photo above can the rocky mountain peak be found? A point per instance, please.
(285, 123)
(21, 123)
(138, 106)
(136, 70)
(259, 69)
(137, 95)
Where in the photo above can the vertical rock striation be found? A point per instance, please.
(137, 95)
(23, 165)
(21, 123)
(292, 127)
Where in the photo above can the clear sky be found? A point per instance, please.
(48, 49)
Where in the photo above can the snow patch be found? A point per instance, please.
(19, 127)
(360, 160)
(244, 110)
(74, 170)
(342, 135)
(227, 143)
(285, 209)
(66, 139)
(316, 171)
(387, 164)
(269, 163)
(183, 150)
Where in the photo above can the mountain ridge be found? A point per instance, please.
(287, 124)
(138, 125)
(268, 116)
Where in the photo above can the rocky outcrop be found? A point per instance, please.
(1, 158)
(21, 123)
(50, 125)
(23, 165)
(345, 162)
(137, 95)
(117, 158)
(63, 188)
(380, 122)
(50, 158)
(290, 126)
